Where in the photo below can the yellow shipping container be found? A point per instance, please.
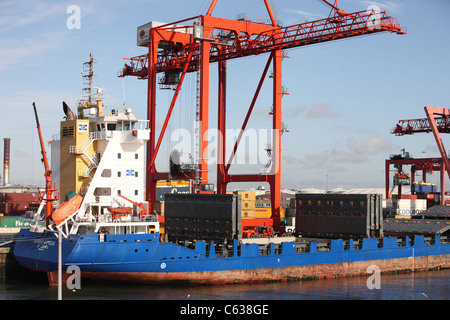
(402, 216)
(247, 195)
(173, 183)
(266, 213)
(249, 214)
(159, 207)
(247, 204)
(263, 213)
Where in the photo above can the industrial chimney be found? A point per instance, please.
(6, 158)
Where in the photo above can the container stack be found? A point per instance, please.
(248, 199)
(341, 216)
(18, 203)
(209, 217)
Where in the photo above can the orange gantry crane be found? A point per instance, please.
(175, 49)
(437, 121)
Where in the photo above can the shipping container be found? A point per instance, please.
(248, 213)
(248, 204)
(163, 190)
(16, 222)
(263, 213)
(339, 215)
(209, 217)
(246, 195)
(159, 207)
(420, 187)
(18, 203)
(407, 207)
(143, 32)
(21, 197)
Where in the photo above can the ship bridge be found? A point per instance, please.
(118, 121)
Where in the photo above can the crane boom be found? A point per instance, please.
(229, 42)
(49, 188)
(412, 126)
(41, 141)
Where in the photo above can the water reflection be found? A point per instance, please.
(433, 285)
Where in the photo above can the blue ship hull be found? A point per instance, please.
(142, 258)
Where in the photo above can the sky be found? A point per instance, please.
(344, 96)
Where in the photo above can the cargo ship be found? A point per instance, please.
(109, 233)
(107, 224)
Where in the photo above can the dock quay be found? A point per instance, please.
(6, 242)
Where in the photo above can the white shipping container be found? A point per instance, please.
(407, 207)
(143, 32)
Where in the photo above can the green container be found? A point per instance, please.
(14, 222)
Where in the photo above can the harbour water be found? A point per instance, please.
(431, 285)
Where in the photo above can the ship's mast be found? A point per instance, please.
(90, 102)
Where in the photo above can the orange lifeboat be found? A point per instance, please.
(66, 209)
(120, 212)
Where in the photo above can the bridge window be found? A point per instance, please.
(106, 173)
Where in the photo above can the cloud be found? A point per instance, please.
(324, 159)
(19, 106)
(294, 112)
(309, 161)
(317, 160)
(385, 5)
(354, 153)
(22, 13)
(344, 156)
(28, 16)
(372, 146)
(31, 28)
(19, 50)
(305, 13)
(22, 153)
(322, 110)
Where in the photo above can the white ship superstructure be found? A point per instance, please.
(118, 160)
(101, 158)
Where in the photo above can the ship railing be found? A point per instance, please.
(83, 145)
(82, 191)
(96, 135)
(264, 250)
(278, 248)
(142, 125)
(323, 246)
(429, 240)
(149, 218)
(104, 218)
(101, 135)
(357, 244)
(401, 242)
(380, 243)
(302, 247)
(87, 172)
